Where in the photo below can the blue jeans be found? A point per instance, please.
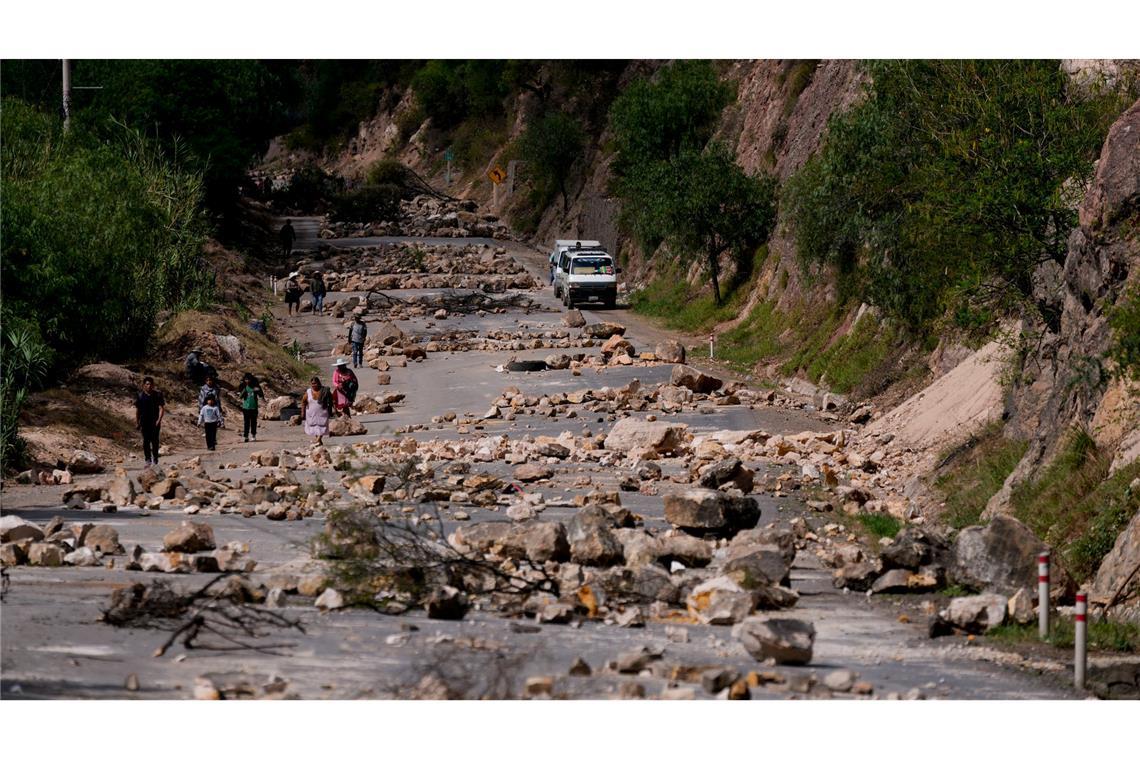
(318, 302)
(357, 354)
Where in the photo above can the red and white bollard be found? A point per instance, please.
(1043, 594)
(1080, 651)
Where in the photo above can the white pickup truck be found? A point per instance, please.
(584, 272)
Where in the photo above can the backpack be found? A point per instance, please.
(351, 386)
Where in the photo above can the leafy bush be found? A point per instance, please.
(880, 524)
(24, 361)
(449, 91)
(98, 237)
(944, 186)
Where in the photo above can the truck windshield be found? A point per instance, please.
(592, 265)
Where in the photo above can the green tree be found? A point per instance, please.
(98, 237)
(707, 206)
(653, 121)
(942, 190)
(551, 145)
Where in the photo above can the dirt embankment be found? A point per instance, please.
(93, 408)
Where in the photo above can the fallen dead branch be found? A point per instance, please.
(217, 617)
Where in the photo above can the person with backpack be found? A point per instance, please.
(318, 289)
(248, 392)
(150, 408)
(316, 408)
(345, 386)
(357, 333)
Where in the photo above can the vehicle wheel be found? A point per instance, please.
(611, 301)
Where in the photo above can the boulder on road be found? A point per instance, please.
(637, 435)
(757, 565)
(103, 539)
(573, 318)
(729, 471)
(13, 528)
(530, 472)
(591, 540)
(720, 601)
(1000, 557)
(190, 537)
(786, 640)
(603, 330)
(558, 361)
(670, 351)
(84, 463)
(705, 511)
(346, 426)
(697, 382)
(976, 614)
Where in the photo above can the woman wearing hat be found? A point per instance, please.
(316, 407)
(293, 294)
(345, 386)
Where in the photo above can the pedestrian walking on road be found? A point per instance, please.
(293, 294)
(287, 235)
(249, 392)
(210, 417)
(345, 386)
(150, 408)
(318, 289)
(357, 333)
(316, 406)
(210, 389)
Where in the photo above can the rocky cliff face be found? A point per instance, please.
(1064, 379)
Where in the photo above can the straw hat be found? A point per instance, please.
(342, 362)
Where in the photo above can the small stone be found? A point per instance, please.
(132, 683)
(539, 686)
(785, 640)
(631, 690)
(840, 680)
(580, 667)
(330, 599)
(679, 693)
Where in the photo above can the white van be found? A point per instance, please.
(585, 274)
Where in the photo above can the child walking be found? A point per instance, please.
(249, 391)
(210, 417)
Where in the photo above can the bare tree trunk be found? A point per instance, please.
(714, 271)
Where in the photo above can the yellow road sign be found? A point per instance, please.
(497, 175)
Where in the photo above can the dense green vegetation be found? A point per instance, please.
(676, 186)
(551, 145)
(216, 115)
(99, 237)
(938, 194)
(1075, 507)
(974, 472)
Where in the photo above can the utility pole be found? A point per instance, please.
(66, 94)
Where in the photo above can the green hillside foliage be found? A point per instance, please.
(99, 238)
(939, 193)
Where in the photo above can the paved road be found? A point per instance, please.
(53, 647)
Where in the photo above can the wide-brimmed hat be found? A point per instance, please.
(294, 274)
(341, 363)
